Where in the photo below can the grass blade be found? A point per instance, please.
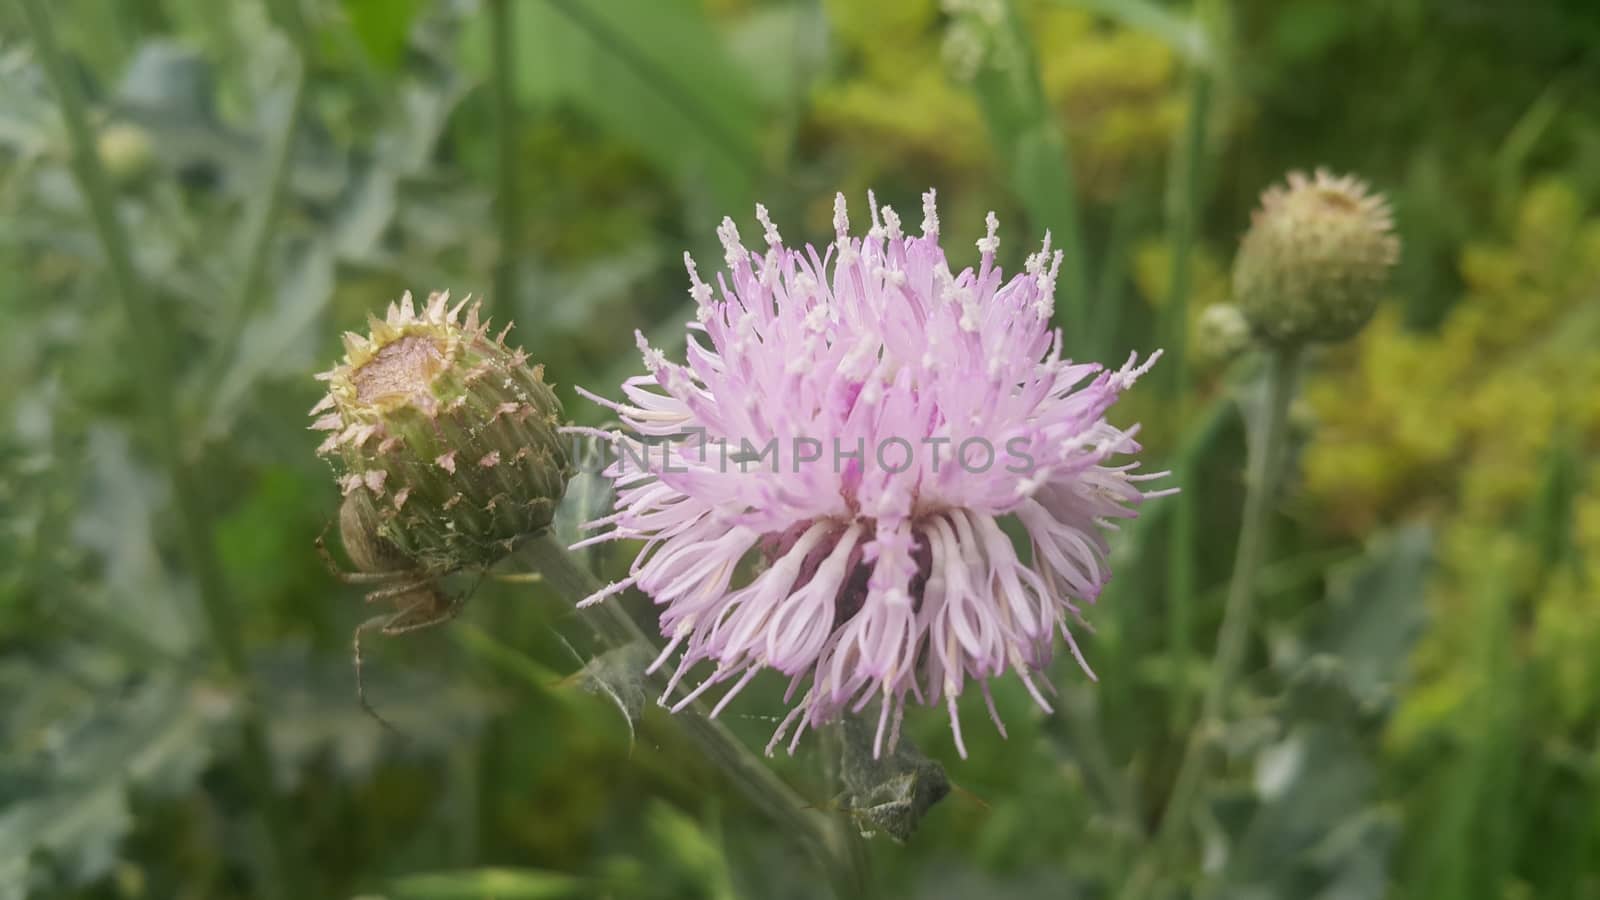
(1033, 149)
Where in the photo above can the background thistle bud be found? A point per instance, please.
(1221, 333)
(1315, 260)
(447, 433)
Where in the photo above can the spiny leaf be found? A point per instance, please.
(117, 526)
(315, 710)
(1376, 611)
(88, 749)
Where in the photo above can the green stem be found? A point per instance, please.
(1181, 590)
(1125, 599)
(153, 353)
(1084, 730)
(1237, 616)
(1111, 289)
(1183, 201)
(507, 206)
(1042, 144)
(764, 789)
(1183, 204)
(1265, 466)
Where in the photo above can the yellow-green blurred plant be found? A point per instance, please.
(1458, 425)
(1568, 625)
(1209, 294)
(1118, 90)
(1152, 276)
(896, 98)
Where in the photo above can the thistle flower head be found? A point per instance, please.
(1314, 263)
(873, 428)
(445, 434)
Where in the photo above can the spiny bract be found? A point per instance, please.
(1314, 263)
(450, 433)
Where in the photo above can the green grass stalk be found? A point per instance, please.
(507, 204)
(1183, 204)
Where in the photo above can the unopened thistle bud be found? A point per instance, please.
(1315, 260)
(1221, 333)
(447, 433)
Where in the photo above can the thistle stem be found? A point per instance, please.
(765, 790)
(1266, 464)
(1238, 613)
(154, 356)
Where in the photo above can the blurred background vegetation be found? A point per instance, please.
(1420, 712)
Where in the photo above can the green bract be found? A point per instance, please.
(448, 434)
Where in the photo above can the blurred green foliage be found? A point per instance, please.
(1420, 716)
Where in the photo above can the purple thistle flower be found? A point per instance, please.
(866, 421)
